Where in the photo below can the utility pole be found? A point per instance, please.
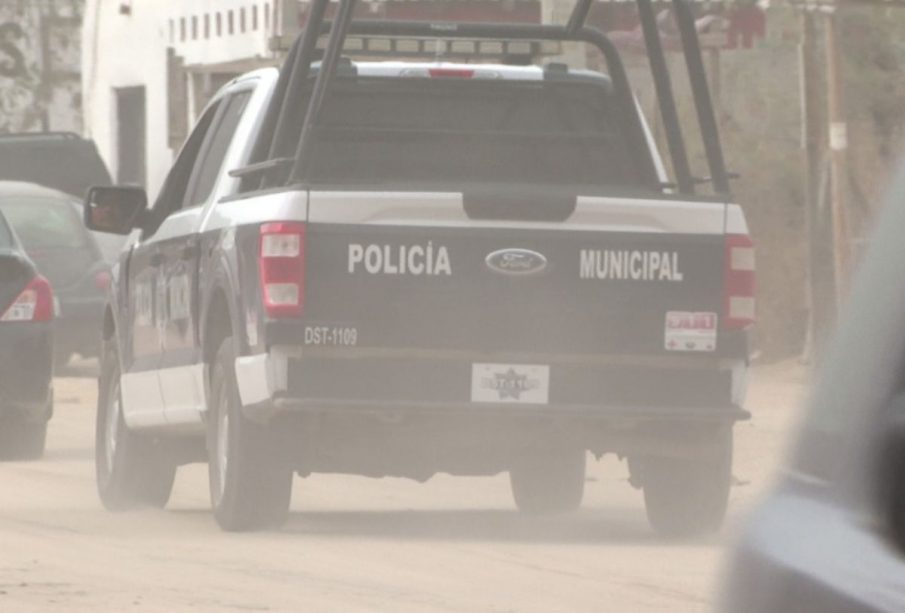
(716, 81)
(838, 141)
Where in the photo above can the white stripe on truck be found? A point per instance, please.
(446, 209)
(591, 213)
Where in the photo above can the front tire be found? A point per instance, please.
(250, 484)
(132, 470)
(689, 496)
(549, 482)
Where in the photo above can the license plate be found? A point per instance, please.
(690, 331)
(510, 383)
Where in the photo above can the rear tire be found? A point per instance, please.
(22, 440)
(689, 496)
(549, 482)
(250, 483)
(132, 470)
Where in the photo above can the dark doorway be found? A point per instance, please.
(131, 135)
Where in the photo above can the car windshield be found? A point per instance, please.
(475, 131)
(45, 223)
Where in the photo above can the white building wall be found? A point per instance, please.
(205, 47)
(126, 50)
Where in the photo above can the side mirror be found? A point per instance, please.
(115, 210)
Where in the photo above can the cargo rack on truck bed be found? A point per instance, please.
(281, 154)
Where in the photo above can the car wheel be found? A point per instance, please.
(689, 496)
(21, 440)
(132, 470)
(250, 484)
(549, 482)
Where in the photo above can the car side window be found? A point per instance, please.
(205, 177)
(174, 187)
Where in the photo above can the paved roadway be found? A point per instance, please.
(355, 544)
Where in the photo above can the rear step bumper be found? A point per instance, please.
(397, 387)
(282, 380)
(281, 405)
(478, 430)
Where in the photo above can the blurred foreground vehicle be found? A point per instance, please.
(831, 537)
(49, 225)
(404, 268)
(26, 351)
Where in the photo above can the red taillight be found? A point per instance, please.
(739, 282)
(454, 73)
(102, 280)
(34, 303)
(281, 260)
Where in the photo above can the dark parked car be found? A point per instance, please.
(831, 537)
(26, 351)
(58, 160)
(48, 222)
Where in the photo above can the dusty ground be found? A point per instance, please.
(352, 544)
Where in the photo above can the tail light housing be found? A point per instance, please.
(739, 282)
(33, 304)
(451, 73)
(102, 280)
(281, 260)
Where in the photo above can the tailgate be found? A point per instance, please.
(412, 271)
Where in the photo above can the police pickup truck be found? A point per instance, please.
(404, 268)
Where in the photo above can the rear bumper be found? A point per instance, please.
(26, 370)
(615, 391)
(603, 412)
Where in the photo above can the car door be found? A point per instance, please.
(147, 310)
(181, 368)
(141, 395)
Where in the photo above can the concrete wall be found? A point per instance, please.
(39, 66)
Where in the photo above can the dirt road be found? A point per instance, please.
(355, 544)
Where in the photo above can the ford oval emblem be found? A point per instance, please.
(516, 262)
